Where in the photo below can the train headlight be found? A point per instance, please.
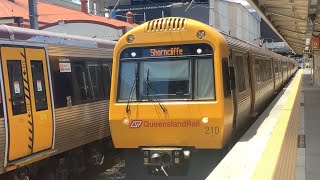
(205, 120)
(199, 50)
(125, 121)
(130, 38)
(201, 34)
(133, 54)
(186, 154)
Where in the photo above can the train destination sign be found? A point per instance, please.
(167, 51)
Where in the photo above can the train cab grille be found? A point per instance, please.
(167, 24)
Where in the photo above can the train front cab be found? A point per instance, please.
(27, 122)
(167, 118)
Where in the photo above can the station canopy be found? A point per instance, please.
(289, 19)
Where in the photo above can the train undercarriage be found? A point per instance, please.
(67, 165)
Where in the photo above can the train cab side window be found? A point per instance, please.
(240, 70)
(204, 80)
(39, 86)
(16, 87)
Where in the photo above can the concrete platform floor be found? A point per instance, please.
(308, 158)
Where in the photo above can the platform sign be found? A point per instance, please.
(316, 43)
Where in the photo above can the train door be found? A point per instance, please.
(29, 111)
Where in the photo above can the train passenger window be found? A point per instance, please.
(268, 70)
(80, 90)
(263, 70)
(240, 68)
(39, 85)
(276, 67)
(204, 79)
(95, 81)
(226, 83)
(87, 80)
(16, 87)
(106, 79)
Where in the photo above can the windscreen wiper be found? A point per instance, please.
(131, 91)
(154, 93)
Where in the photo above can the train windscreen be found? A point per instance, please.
(180, 76)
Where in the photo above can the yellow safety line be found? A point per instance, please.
(278, 160)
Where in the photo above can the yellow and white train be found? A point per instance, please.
(180, 89)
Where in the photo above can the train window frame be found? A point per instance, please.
(39, 87)
(23, 109)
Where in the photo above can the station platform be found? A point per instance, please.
(283, 143)
(308, 161)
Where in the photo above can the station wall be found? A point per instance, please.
(234, 19)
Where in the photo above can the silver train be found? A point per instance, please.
(79, 71)
(259, 74)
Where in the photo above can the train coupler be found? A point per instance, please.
(166, 161)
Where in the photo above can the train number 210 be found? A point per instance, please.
(212, 130)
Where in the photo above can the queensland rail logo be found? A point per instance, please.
(173, 124)
(135, 124)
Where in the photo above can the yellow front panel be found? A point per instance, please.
(42, 118)
(20, 124)
(181, 125)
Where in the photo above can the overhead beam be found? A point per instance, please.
(293, 32)
(296, 43)
(292, 29)
(298, 46)
(286, 16)
(289, 37)
(277, 8)
(286, 25)
(295, 40)
(282, 3)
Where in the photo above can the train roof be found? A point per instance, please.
(11, 33)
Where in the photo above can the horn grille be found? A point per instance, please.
(166, 24)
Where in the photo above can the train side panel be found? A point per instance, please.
(81, 115)
(81, 124)
(239, 53)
